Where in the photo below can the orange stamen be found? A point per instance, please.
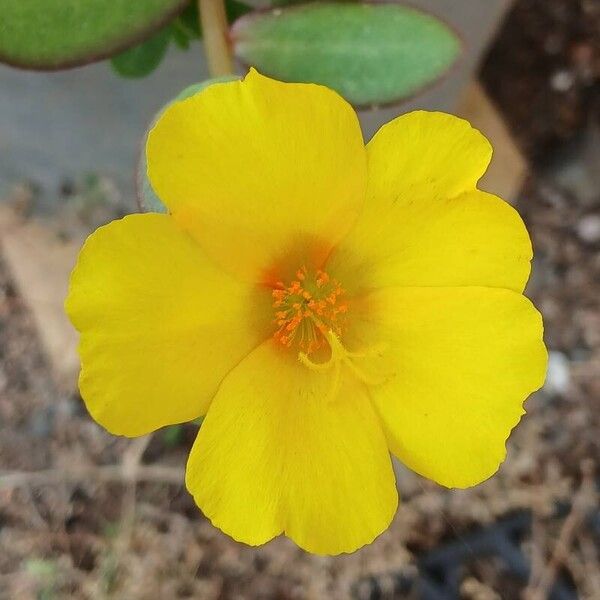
(308, 309)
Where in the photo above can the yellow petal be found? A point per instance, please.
(260, 171)
(160, 324)
(419, 239)
(456, 366)
(424, 223)
(275, 454)
(426, 148)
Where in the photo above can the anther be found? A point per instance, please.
(307, 309)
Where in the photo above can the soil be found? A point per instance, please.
(88, 540)
(544, 72)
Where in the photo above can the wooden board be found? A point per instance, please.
(40, 264)
(508, 169)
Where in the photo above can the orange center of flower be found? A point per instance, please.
(308, 309)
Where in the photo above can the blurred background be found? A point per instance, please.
(86, 515)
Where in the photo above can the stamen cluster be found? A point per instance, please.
(308, 309)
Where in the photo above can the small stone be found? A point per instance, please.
(558, 376)
(553, 44)
(562, 81)
(41, 422)
(3, 379)
(588, 228)
(580, 355)
(72, 406)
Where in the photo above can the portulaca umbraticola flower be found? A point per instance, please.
(324, 304)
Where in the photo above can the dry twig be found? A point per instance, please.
(150, 473)
(583, 502)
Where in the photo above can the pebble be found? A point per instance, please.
(41, 422)
(562, 81)
(3, 379)
(588, 229)
(558, 376)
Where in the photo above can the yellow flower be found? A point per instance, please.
(321, 302)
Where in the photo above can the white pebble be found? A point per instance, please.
(562, 81)
(588, 229)
(558, 376)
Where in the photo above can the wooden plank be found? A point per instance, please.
(508, 169)
(40, 263)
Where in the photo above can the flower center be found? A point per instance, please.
(308, 309)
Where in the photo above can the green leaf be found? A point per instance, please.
(190, 22)
(262, 4)
(55, 34)
(192, 90)
(141, 60)
(369, 53)
(147, 198)
(236, 9)
(172, 435)
(182, 36)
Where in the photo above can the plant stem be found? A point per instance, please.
(215, 33)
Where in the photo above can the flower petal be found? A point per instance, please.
(424, 147)
(256, 169)
(474, 239)
(275, 454)
(160, 324)
(424, 223)
(457, 364)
